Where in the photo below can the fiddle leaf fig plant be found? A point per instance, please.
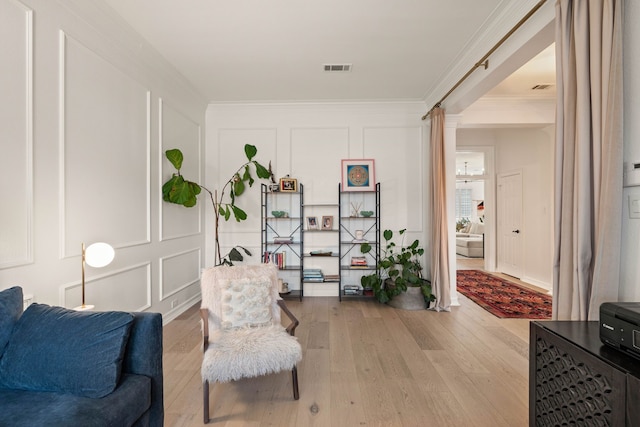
(184, 192)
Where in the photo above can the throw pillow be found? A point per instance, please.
(473, 228)
(60, 350)
(246, 302)
(10, 311)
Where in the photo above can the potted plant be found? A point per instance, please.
(183, 192)
(400, 271)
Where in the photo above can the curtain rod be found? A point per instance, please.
(484, 61)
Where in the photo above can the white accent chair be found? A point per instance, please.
(242, 332)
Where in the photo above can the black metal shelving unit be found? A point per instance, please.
(289, 226)
(349, 245)
(328, 261)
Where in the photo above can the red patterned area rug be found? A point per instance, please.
(503, 298)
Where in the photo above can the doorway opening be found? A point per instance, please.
(470, 209)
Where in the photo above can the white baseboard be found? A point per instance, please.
(172, 314)
(544, 285)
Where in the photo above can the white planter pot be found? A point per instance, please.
(412, 299)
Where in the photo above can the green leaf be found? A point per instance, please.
(238, 187)
(246, 251)
(247, 173)
(388, 234)
(247, 176)
(261, 171)
(239, 213)
(385, 263)
(402, 231)
(167, 186)
(365, 248)
(192, 192)
(250, 151)
(235, 255)
(175, 157)
(382, 296)
(181, 192)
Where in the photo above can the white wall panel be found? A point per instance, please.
(106, 291)
(400, 166)
(16, 113)
(104, 151)
(179, 271)
(228, 157)
(178, 131)
(316, 155)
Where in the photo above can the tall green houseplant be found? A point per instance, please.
(183, 192)
(399, 267)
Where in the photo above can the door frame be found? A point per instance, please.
(490, 260)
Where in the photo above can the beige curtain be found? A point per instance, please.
(440, 280)
(588, 157)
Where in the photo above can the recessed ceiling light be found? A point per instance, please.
(542, 86)
(339, 68)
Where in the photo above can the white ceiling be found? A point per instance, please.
(540, 70)
(258, 50)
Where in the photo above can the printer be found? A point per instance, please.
(620, 326)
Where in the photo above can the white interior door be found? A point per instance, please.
(509, 219)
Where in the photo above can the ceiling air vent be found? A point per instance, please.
(337, 68)
(542, 86)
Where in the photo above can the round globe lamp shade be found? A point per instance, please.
(99, 254)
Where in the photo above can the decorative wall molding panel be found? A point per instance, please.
(402, 175)
(106, 290)
(104, 154)
(178, 131)
(16, 133)
(179, 271)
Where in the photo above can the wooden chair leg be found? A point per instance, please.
(294, 378)
(205, 396)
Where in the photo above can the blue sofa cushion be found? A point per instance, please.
(61, 350)
(10, 311)
(124, 407)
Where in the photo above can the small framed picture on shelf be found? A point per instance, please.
(358, 175)
(327, 222)
(289, 184)
(274, 188)
(312, 223)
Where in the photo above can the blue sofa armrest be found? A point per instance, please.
(143, 356)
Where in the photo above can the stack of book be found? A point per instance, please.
(351, 289)
(331, 277)
(358, 262)
(312, 275)
(278, 258)
(283, 239)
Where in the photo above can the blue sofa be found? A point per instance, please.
(60, 367)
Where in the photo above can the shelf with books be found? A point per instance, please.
(359, 224)
(281, 236)
(320, 243)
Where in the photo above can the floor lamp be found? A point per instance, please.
(96, 255)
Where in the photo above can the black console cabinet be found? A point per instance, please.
(575, 380)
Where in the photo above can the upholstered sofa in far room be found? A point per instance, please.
(470, 240)
(60, 367)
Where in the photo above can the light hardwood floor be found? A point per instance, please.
(366, 364)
